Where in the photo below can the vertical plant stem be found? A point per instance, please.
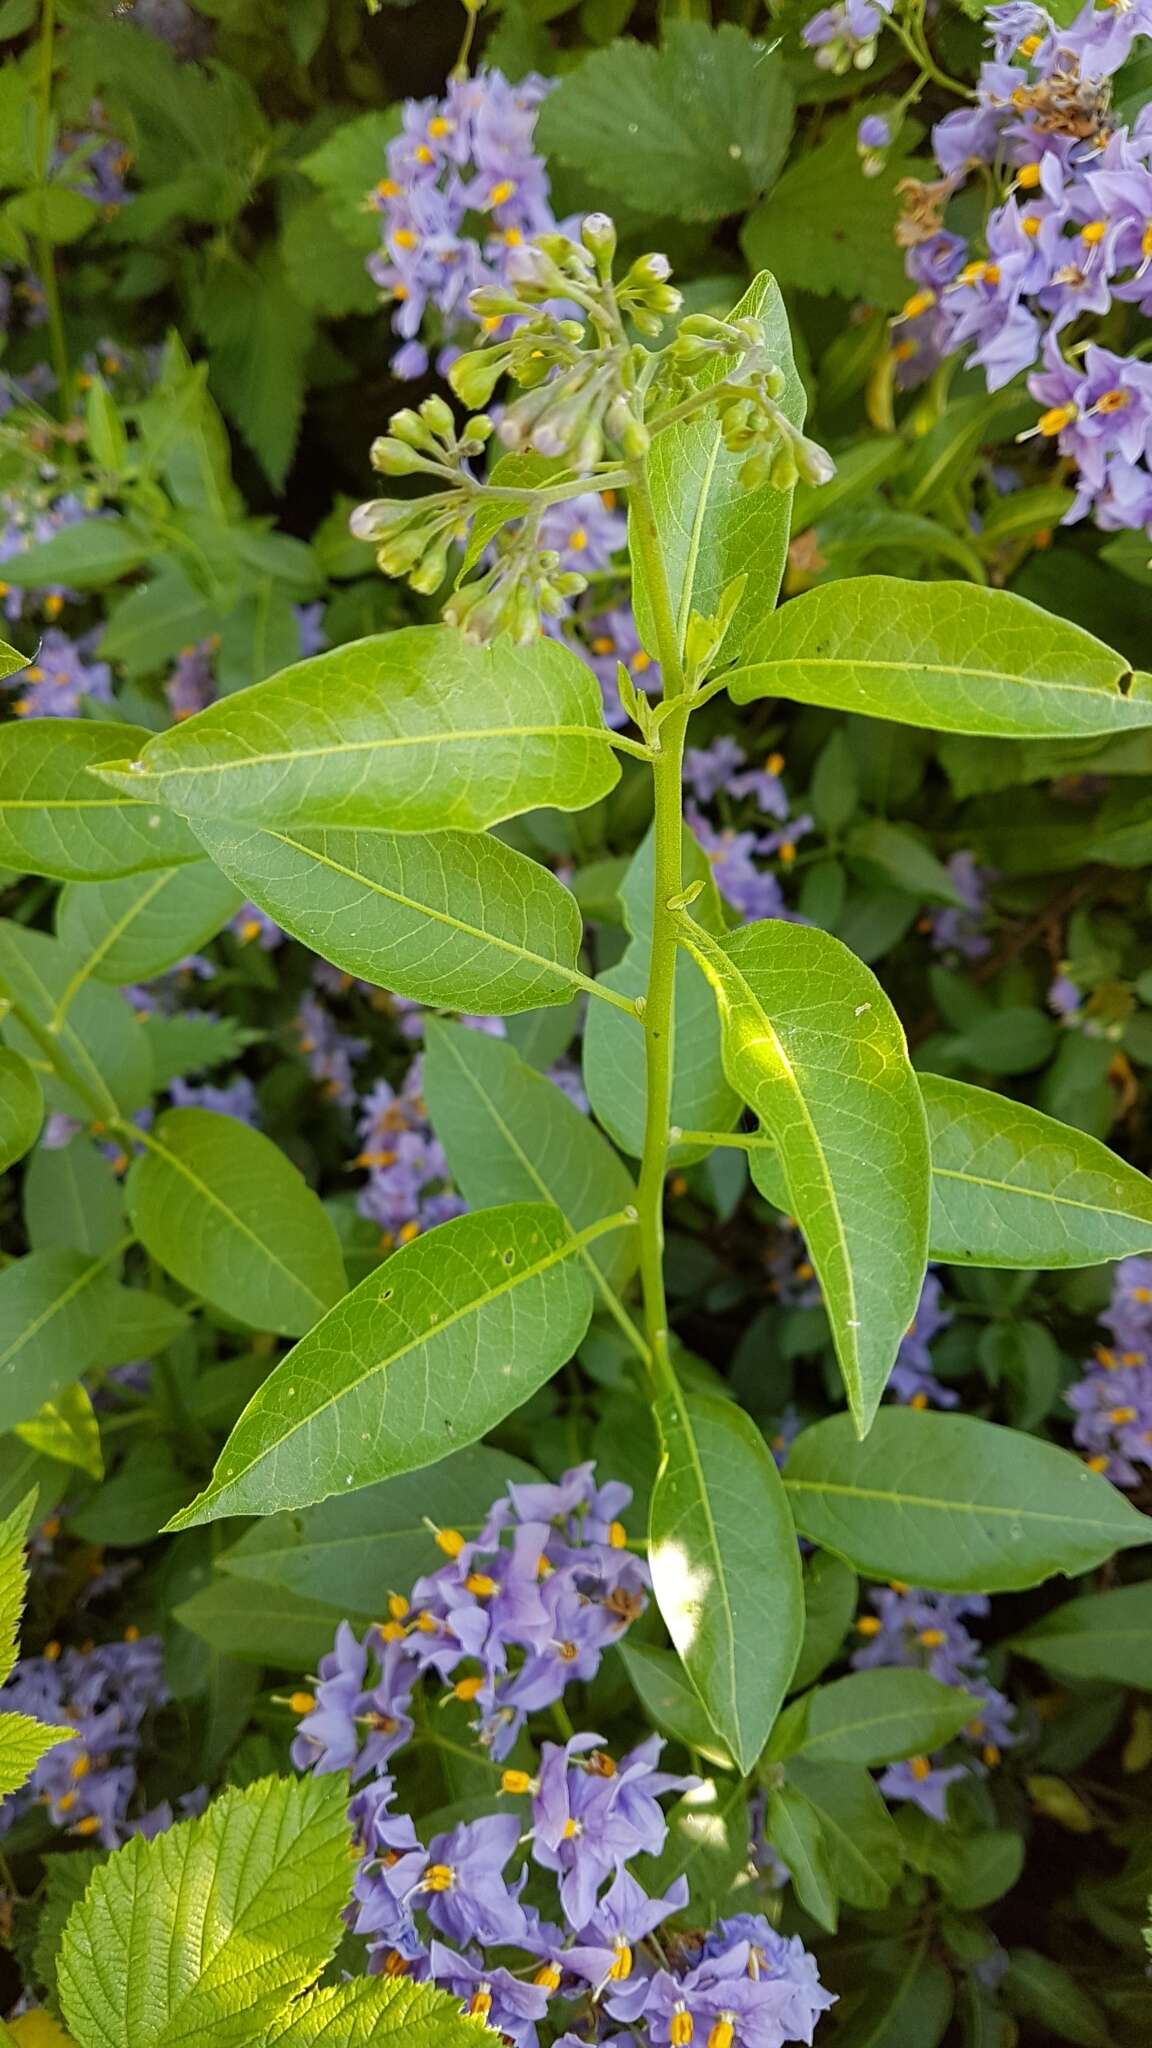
(45, 253)
(660, 994)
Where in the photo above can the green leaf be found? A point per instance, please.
(23, 1742)
(72, 1199)
(156, 620)
(861, 1845)
(98, 1051)
(66, 1429)
(1012, 1187)
(830, 1598)
(696, 129)
(430, 1351)
(953, 1503)
(1042, 1990)
(711, 528)
(21, 1108)
(872, 1717)
(672, 1706)
(86, 556)
(55, 1309)
(347, 165)
(813, 1045)
(905, 2003)
(370, 2010)
(222, 1209)
(725, 1567)
(205, 1933)
(11, 660)
(613, 1051)
(326, 272)
(898, 856)
(130, 1507)
(1105, 1636)
(357, 1547)
(455, 918)
(827, 229)
(416, 731)
(133, 928)
(281, 1628)
(141, 1326)
(943, 655)
(510, 1135)
(794, 1831)
(259, 334)
(56, 820)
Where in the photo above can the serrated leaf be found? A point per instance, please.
(725, 1567)
(13, 1580)
(613, 1050)
(23, 1742)
(55, 819)
(430, 1351)
(260, 335)
(21, 1108)
(131, 929)
(55, 1308)
(814, 1046)
(712, 529)
(698, 128)
(1104, 1636)
(206, 1932)
(453, 918)
(223, 1210)
(415, 731)
(346, 167)
(354, 1547)
(510, 1135)
(943, 655)
(324, 270)
(368, 2010)
(872, 1717)
(954, 1503)
(824, 228)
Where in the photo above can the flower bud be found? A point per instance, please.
(598, 234)
(814, 462)
(393, 457)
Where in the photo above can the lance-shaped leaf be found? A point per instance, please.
(813, 1045)
(21, 1107)
(87, 1045)
(454, 918)
(230, 1217)
(416, 731)
(954, 1503)
(1012, 1187)
(1102, 1636)
(11, 660)
(943, 655)
(208, 1931)
(428, 1353)
(56, 819)
(712, 528)
(510, 1135)
(139, 925)
(56, 1309)
(872, 1717)
(87, 556)
(725, 1566)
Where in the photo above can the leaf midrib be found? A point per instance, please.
(157, 1148)
(383, 744)
(914, 669)
(945, 1506)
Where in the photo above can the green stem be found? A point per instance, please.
(45, 254)
(667, 883)
(742, 1141)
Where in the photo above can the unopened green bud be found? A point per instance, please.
(630, 432)
(598, 234)
(437, 417)
(493, 302)
(475, 375)
(814, 462)
(394, 458)
(774, 381)
(784, 470)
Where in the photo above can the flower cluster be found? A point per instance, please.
(1113, 1400)
(331, 1053)
(505, 1625)
(26, 519)
(464, 158)
(408, 1188)
(1069, 238)
(104, 1692)
(61, 678)
(719, 773)
(844, 36)
(925, 1631)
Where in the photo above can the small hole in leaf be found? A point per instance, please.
(385, 1294)
(509, 1257)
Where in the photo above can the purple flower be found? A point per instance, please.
(56, 684)
(105, 1694)
(329, 1736)
(407, 1189)
(912, 1380)
(922, 1783)
(463, 1887)
(251, 924)
(590, 1817)
(330, 1052)
(603, 1954)
(585, 532)
(310, 626)
(874, 132)
(751, 890)
(1064, 998)
(956, 930)
(609, 639)
(237, 1098)
(501, 2001)
(191, 687)
(708, 770)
